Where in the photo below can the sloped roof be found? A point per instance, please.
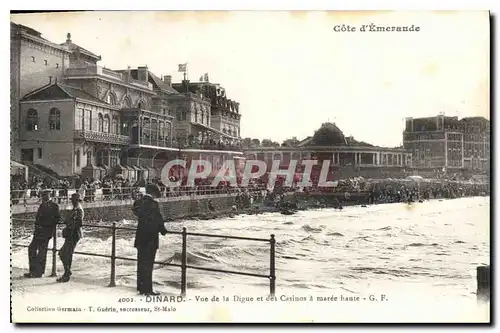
(59, 91)
(74, 47)
(162, 85)
(155, 80)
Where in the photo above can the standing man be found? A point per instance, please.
(72, 234)
(46, 221)
(146, 238)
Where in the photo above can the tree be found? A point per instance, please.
(269, 143)
(247, 142)
(292, 142)
(256, 142)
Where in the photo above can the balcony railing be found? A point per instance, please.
(102, 137)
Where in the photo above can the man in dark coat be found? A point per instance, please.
(72, 234)
(46, 221)
(146, 238)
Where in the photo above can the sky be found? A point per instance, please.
(291, 71)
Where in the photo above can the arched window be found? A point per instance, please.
(116, 125)
(32, 120)
(224, 131)
(142, 104)
(127, 104)
(111, 99)
(54, 119)
(195, 115)
(100, 122)
(106, 124)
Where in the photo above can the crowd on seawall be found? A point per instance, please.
(118, 188)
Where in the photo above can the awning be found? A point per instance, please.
(14, 164)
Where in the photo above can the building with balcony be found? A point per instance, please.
(80, 118)
(221, 123)
(70, 131)
(447, 143)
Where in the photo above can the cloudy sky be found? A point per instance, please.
(291, 72)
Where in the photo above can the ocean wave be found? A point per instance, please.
(192, 258)
(422, 244)
(308, 228)
(335, 234)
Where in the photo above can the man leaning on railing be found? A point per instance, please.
(72, 234)
(46, 221)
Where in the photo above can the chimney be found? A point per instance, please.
(128, 74)
(168, 80)
(50, 79)
(68, 38)
(142, 74)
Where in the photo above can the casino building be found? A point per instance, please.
(348, 157)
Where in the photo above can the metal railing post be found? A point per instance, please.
(112, 282)
(184, 262)
(272, 272)
(54, 253)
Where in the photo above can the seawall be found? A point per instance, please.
(195, 206)
(117, 210)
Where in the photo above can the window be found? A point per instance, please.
(79, 119)
(54, 119)
(162, 130)
(106, 124)
(116, 125)
(196, 115)
(181, 114)
(39, 152)
(100, 123)
(45, 62)
(89, 158)
(33, 59)
(126, 103)
(110, 99)
(77, 153)
(32, 120)
(57, 65)
(87, 120)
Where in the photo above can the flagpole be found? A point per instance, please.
(186, 78)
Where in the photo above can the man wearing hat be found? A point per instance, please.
(46, 221)
(72, 234)
(150, 224)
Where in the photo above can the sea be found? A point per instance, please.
(423, 253)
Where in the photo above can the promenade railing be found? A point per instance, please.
(32, 197)
(271, 276)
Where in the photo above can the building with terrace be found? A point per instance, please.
(347, 156)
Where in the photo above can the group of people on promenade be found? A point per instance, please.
(150, 225)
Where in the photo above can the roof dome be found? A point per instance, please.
(329, 135)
